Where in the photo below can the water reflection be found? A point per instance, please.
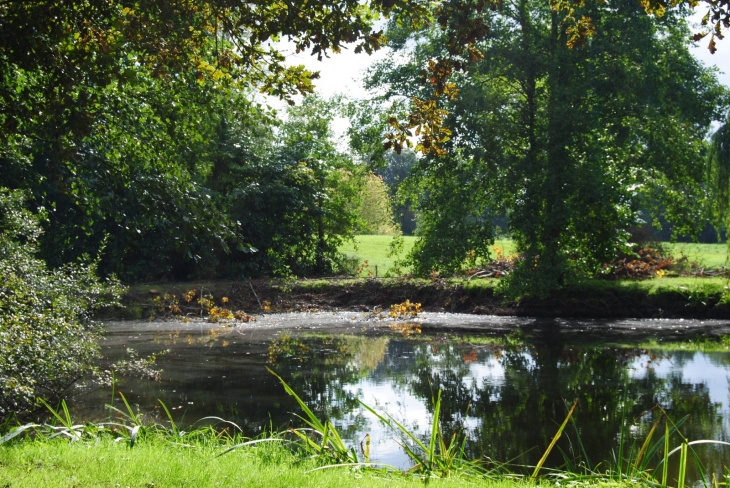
(506, 394)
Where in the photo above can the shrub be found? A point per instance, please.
(47, 337)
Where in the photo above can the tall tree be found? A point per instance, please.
(567, 138)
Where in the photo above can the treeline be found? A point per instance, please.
(140, 131)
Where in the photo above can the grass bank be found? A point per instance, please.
(376, 251)
(126, 452)
(164, 463)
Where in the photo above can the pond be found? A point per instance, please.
(507, 383)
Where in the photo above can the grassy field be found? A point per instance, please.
(374, 250)
(707, 255)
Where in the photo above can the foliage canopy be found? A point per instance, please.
(569, 142)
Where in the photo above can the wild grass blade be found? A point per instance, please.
(313, 420)
(397, 426)
(250, 443)
(622, 427)
(169, 417)
(220, 420)
(638, 465)
(66, 423)
(308, 442)
(700, 467)
(584, 453)
(435, 431)
(16, 432)
(66, 413)
(701, 441)
(682, 464)
(329, 433)
(665, 459)
(134, 418)
(671, 429)
(554, 441)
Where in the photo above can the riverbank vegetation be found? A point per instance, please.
(312, 453)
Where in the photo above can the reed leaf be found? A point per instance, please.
(16, 432)
(665, 459)
(250, 443)
(672, 427)
(332, 443)
(435, 432)
(645, 446)
(682, 464)
(169, 417)
(554, 441)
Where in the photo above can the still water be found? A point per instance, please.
(507, 383)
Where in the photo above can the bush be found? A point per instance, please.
(47, 337)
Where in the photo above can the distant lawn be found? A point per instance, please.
(707, 255)
(374, 249)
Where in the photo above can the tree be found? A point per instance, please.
(376, 209)
(107, 106)
(47, 340)
(568, 141)
(299, 200)
(718, 173)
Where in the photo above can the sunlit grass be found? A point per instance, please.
(161, 463)
(708, 255)
(374, 250)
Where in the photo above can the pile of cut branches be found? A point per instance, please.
(649, 262)
(502, 266)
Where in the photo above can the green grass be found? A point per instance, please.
(126, 452)
(161, 463)
(708, 255)
(374, 249)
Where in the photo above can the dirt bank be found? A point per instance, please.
(590, 300)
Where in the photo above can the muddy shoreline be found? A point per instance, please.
(366, 295)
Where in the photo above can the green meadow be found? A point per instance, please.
(707, 255)
(375, 250)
